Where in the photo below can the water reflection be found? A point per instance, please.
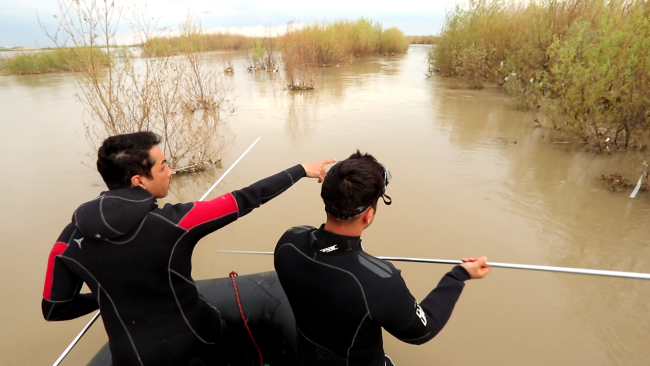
(579, 223)
(51, 84)
(301, 109)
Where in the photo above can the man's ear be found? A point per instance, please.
(136, 180)
(368, 215)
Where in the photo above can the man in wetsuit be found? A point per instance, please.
(342, 296)
(136, 257)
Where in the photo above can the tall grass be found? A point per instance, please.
(58, 59)
(207, 42)
(584, 63)
(339, 42)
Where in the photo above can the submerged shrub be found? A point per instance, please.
(393, 41)
(181, 98)
(339, 42)
(297, 57)
(330, 44)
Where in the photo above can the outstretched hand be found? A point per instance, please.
(317, 169)
(476, 267)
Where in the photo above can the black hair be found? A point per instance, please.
(122, 156)
(352, 185)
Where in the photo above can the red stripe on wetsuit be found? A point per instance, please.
(57, 249)
(205, 211)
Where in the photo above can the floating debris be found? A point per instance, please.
(617, 183)
(503, 141)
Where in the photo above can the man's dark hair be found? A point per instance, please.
(122, 156)
(352, 184)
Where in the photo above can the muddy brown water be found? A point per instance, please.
(459, 190)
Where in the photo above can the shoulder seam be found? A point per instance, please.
(168, 220)
(101, 213)
(134, 235)
(331, 266)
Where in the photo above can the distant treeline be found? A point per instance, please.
(200, 42)
(423, 39)
(585, 64)
(328, 42)
(320, 44)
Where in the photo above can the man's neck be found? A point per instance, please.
(347, 230)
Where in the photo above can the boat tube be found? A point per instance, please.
(268, 314)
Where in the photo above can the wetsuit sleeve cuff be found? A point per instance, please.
(459, 273)
(296, 172)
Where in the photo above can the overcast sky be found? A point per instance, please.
(19, 25)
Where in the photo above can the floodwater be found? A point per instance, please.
(461, 187)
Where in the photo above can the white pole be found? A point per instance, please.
(77, 338)
(83, 331)
(229, 169)
(598, 272)
(638, 185)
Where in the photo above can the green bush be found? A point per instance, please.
(583, 62)
(598, 83)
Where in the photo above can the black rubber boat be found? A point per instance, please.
(268, 314)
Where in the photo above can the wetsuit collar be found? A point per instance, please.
(328, 242)
(114, 213)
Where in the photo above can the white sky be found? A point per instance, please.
(19, 25)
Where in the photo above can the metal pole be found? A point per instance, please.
(229, 169)
(598, 272)
(83, 331)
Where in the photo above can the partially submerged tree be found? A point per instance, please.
(178, 97)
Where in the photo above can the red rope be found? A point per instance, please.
(233, 274)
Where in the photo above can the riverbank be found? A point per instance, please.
(576, 61)
(43, 61)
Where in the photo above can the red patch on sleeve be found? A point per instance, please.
(210, 210)
(57, 249)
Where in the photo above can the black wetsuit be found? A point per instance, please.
(136, 260)
(341, 298)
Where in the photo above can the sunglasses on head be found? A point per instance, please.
(386, 198)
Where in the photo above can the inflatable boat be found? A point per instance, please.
(267, 312)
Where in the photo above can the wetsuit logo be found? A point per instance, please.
(420, 313)
(79, 241)
(329, 249)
